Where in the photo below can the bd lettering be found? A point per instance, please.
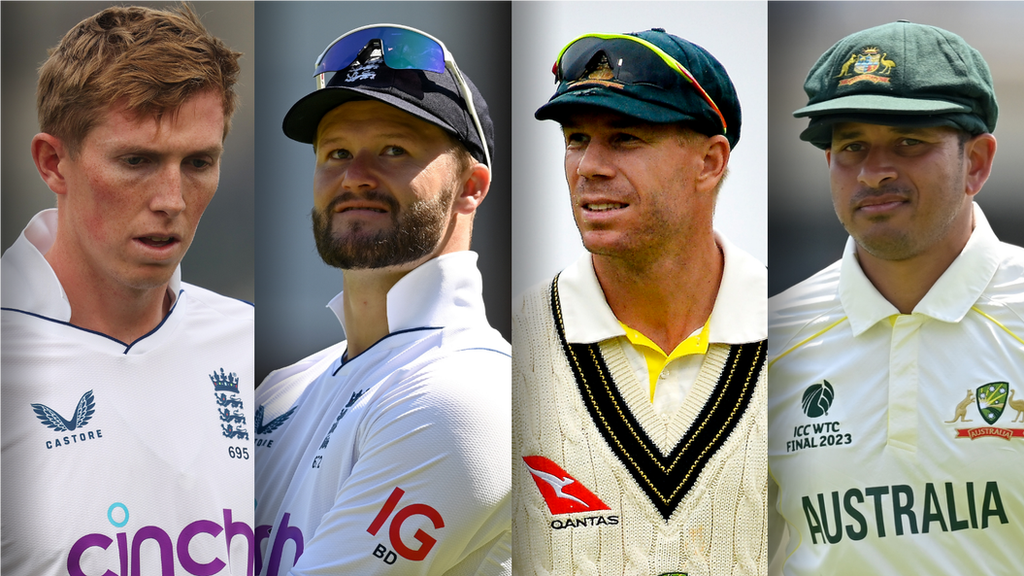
(384, 554)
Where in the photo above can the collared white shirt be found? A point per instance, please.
(122, 454)
(736, 318)
(385, 463)
(882, 413)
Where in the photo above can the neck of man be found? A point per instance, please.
(667, 297)
(904, 283)
(365, 291)
(97, 304)
(365, 302)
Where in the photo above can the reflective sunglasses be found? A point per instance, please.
(402, 48)
(629, 57)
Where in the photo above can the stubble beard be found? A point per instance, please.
(414, 233)
(897, 243)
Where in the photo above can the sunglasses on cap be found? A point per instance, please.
(630, 59)
(402, 48)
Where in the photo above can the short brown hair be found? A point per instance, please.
(152, 60)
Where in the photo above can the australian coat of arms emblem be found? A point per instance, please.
(869, 64)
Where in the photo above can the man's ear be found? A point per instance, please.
(49, 152)
(474, 189)
(980, 151)
(716, 159)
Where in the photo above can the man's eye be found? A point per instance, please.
(339, 154)
(853, 147)
(199, 163)
(575, 138)
(134, 160)
(910, 142)
(394, 151)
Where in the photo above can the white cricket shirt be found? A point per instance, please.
(122, 459)
(897, 440)
(395, 461)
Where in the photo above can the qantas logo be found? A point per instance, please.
(563, 493)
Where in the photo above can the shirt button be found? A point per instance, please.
(664, 374)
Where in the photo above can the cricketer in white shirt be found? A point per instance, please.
(394, 461)
(896, 441)
(123, 458)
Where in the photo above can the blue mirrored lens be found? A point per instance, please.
(402, 50)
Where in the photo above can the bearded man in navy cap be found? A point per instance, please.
(377, 455)
(895, 443)
(639, 424)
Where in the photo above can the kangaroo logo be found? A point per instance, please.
(83, 413)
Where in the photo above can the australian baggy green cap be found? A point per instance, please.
(899, 74)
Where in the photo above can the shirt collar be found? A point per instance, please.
(443, 291)
(948, 300)
(29, 283)
(736, 318)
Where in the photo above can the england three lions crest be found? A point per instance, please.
(229, 405)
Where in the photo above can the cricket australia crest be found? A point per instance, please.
(991, 400)
(869, 64)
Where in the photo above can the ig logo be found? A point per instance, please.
(394, 532)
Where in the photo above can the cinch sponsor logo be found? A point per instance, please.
(83, 414)
(898, 508)
(426, 541)
(563, 494)
(126, 555)
(283, 535)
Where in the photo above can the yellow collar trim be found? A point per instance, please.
(656, 357)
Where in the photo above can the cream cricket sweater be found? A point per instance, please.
(602, 485)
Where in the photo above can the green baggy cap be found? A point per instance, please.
(902, 74)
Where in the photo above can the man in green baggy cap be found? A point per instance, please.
(893, 447)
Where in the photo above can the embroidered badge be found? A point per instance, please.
(869, 64)
(84, 412)
(267, 428)
(820, 432)
(598, 72)
(991, 400)
(225, 390)
(351, 401)
(817, 399)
